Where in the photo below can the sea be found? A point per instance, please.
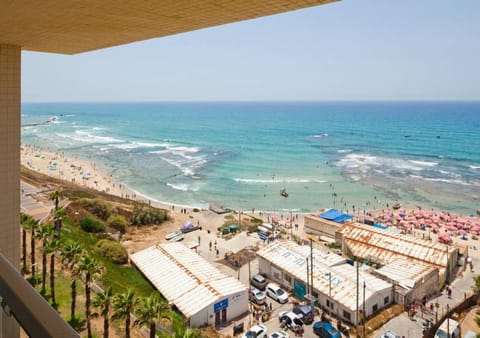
(348, 155)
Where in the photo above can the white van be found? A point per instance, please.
(451, 326)
(277, 293)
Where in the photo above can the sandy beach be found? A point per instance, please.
(85, 173)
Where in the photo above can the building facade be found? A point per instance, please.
(384, 246)
(325, 222)
(335, 284)
(199, 291)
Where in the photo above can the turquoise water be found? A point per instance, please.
(241, 155)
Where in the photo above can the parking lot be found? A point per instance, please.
(273, 323)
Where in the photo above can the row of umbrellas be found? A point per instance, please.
(420, 219)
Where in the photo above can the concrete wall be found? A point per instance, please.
(10, 59)
(281, 277)
(320, 227)
(428, 287)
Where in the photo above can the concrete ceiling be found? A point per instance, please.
(75, 26)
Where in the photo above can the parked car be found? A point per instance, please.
(325, 330)
(277, 293)
(305, 312)
(278, 334)
(389, 334)
(259, 282)
(289, 320)
(257, 296)
(256, 331)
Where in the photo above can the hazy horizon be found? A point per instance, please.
(345, 51)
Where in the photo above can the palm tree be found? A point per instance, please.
(25, 222)
(150, 311)
(51, 248)
(33, 225)
(90, 267)
(123, 305)
(71, 252)
(103, 301)
(44, 234)
(55, 196)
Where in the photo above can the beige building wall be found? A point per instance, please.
(319, 226)
(10, 59)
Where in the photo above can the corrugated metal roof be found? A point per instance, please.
(385, 246)
(404, 272)
(184, 278)
(343, 286)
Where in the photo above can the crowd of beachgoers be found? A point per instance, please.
(443, 223)
(440, 225)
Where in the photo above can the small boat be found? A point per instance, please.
(396, 206)
(284, 192)
(190, 229)
(172, 235)
(177, 238)
(262, 236)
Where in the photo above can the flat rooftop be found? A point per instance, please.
(184, 278)
(342, 284)
(385, 246)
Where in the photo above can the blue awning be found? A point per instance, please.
(335, 216)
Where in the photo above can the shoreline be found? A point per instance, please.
(41, 160)
(72, 169)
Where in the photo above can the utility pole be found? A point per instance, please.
(249, 275)
(448, 321)
(308, 287)
(356, 319)
(329, 293)
(447, 268)
(311, 264)
(364, 313)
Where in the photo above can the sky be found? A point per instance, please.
(348, 50)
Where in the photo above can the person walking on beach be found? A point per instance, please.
(210, 245)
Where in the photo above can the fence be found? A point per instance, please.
(468, 302)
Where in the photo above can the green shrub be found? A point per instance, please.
(97, 207)
(89, 224)
(118, 222)
(112, 250)
(143, 214)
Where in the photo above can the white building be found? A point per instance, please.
(412, 280)
(334, 281)
(384, 246)
(203, 294)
